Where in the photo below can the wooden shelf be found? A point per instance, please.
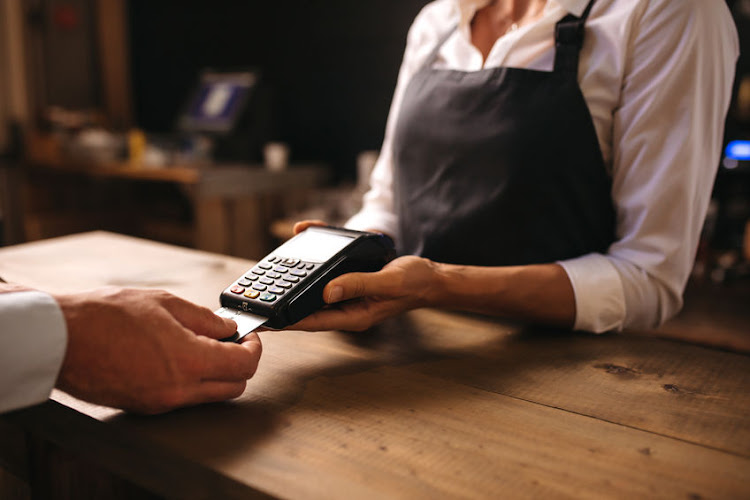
(224, 208)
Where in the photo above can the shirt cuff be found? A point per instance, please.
(33, 339)
(384, 222)
(600, 300)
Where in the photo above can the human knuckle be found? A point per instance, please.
(239, 389)
(171, 398)
(361, 325)
(164, 297)
(359, 288)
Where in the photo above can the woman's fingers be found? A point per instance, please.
(304, 224)
(356, 316)
(384, 283)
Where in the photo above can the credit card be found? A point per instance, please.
(246, 322)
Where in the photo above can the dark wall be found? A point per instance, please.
(332, 63)
(62, 54)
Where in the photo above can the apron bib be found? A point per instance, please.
(501, 166)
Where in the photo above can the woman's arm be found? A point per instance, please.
(541, 293)
(666, 138)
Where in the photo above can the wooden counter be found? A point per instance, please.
(427, 405)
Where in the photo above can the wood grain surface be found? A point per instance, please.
(428, 405)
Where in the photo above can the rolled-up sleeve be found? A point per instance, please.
(33, 339)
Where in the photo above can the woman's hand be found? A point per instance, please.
(359, 300)
(304, 224)
(540, 293)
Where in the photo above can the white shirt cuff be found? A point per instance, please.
(600, 300)
(33, 339)
(374, 221)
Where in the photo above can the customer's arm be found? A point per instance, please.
(32, 346)
(141, 350)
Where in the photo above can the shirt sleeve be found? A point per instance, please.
(667, 138)
(33, 339)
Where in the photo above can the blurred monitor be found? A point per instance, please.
(218, 102)
(233, 109)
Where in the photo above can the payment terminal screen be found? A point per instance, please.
(314, 246)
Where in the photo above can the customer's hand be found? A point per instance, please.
(359, 300)
(148, 351)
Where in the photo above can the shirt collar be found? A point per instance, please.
(575, 7)
(467, 8)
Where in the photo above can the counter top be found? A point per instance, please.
(427, 405)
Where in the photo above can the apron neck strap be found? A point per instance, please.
(569, 40)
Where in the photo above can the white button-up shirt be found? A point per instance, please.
(657, 78)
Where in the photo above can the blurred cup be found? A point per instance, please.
(276, 156)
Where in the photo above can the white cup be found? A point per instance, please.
(276, 156)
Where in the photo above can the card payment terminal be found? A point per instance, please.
(287, 285)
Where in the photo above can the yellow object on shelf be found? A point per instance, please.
(136, 146)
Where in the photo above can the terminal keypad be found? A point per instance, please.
(273, 277)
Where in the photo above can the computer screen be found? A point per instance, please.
(218, 102)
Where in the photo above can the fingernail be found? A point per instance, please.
(336, 294)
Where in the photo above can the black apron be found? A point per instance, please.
(501, 166)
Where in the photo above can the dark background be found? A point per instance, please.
(331, 64)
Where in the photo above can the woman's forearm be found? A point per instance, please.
(540, 293)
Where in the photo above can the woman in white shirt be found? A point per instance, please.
(546, 160)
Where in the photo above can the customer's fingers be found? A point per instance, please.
(227, 361)
(212, 391)
(201, 320)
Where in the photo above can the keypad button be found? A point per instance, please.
(251, 277)
(260, 287)
(280, 269)
(283, 284)
(259, 272)
(273, 258)
(273, 275)
(252, 294)
(265, 265)
(276, 290)
(290, 262)
(309, 267)
(292, 279)
(237, 289)
(244, 283)
(268, 297)
(266, 281)
(301, 265)
(297, 272)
